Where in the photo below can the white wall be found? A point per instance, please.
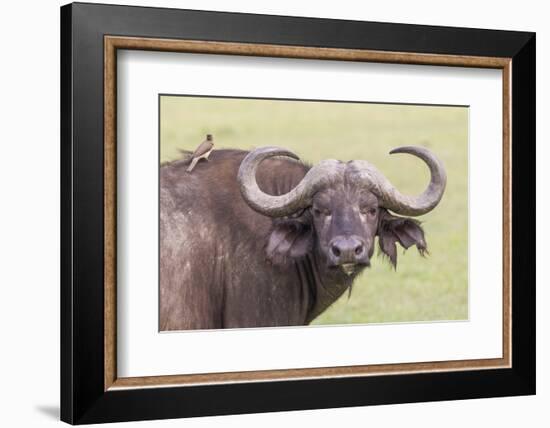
(29, 230)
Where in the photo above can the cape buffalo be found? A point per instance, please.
(257, 239)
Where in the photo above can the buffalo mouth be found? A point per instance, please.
(350, 268)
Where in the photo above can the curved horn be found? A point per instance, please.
(298, 198)
(395, 201)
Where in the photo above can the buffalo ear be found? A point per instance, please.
(406, 231)
(289, 238)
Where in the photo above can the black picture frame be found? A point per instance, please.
(83, 398)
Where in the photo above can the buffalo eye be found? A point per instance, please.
(371, 212)
(317, 212)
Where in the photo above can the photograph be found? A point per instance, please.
(295, 212)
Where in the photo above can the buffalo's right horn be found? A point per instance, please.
(291, 202)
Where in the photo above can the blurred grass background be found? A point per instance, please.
(421, 289)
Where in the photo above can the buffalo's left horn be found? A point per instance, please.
(390, 197)
(291, 202)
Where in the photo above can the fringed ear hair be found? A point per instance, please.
(406, 231)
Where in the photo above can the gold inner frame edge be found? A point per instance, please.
(113, 43)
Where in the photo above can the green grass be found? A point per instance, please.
(421, 289)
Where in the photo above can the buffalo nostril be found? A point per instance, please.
(335, 250)
(359, 250)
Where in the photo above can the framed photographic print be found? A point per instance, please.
(265, 213)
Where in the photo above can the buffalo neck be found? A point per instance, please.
(324, 285)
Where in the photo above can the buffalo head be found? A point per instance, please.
(339, 207)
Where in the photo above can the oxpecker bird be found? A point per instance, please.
(202, 152)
